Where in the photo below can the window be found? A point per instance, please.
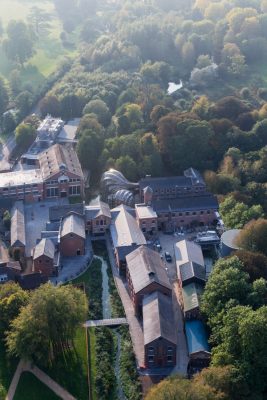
(150, 359)
(180, 214)
(169, 358)
(201, 212)
(194, 213)
(187, 213)
(52, 192)
(74, 190)
(151, 350)
(208, 212)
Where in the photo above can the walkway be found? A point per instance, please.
(136, 331)
(25, 366)
(106, 322)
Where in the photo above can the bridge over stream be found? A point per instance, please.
(106, 322)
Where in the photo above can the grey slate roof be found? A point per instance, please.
(58, 212)
(124, 228)
(158, 318)
(145, 267)
(73, 223)
(44, 248)
(97, 208)
(18, 225)
(190, 270)
(192, 203)
(191, 296)
(165, 182)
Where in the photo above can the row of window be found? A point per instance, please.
(175, 190)
(20, 188)
(74, 190)
(151, 354)
(187, 213)
(53, 192)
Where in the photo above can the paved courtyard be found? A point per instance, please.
(71, 267)
(36, 216)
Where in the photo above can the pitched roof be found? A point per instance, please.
(124, 228)
(97, 208)
(158, 318)
(186, 251)
(191, 296)
(190, 270)
(44, 248)
(58, 212)
(191, 203)
(31, 281)
(196, 336)
(144, 211)
(164, 182)
(18, 237)
(59, 158)
(145, 266)
(73, 223)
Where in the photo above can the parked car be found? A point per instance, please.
(168, 257)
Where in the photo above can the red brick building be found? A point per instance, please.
(72, 236)
(58, 173)
(97, 217)
(145, 274)
(43, 258)
(160, 337)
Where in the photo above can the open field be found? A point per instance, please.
(49, 50)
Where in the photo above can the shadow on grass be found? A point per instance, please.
(30, 388)
(7, 367)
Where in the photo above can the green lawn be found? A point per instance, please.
(49, 50)
(30, 388)
(7, 367)
(92, 361)
(70, 368)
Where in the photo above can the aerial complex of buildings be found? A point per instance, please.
(129, 216)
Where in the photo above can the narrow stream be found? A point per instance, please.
(106, 315)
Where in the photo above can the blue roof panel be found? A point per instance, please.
(196, 336)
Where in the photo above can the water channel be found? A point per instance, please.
(107, 315)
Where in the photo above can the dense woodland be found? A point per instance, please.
(217, 122)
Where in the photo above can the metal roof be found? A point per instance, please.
(190, 203)
(191, 296)
(18, 237)
(145, 267)
(164, 182)
(158, 318)
(190, 270)
(124, 228)
(229, 237)
(44, 248)
(196, 336)
(186, 251)
(73, 223)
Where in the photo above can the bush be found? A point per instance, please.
(262, 93)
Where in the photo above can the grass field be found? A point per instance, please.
(7, 367)
(49, 50)
(30, 388)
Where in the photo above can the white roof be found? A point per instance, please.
(144, 211)
(18, 236)
(18, 178)
(186, 251)
(124, 228)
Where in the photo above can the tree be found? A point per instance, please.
(12, 299)
(4, 98)
(19, 45)
(25, 135)
(100, 109)
(255, 264)
(50, 105)
(227, 284)
(24, 102)
(89, 148)
(127, 166)
(244, 345)
(213, 383)
(7, 219)
(254, 236)
(47, 324)
(8, 122)
(236, 214)
(188, 55)
(89, 122)
(40, 20)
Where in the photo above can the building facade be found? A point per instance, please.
(44, 258)
(72, 236)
